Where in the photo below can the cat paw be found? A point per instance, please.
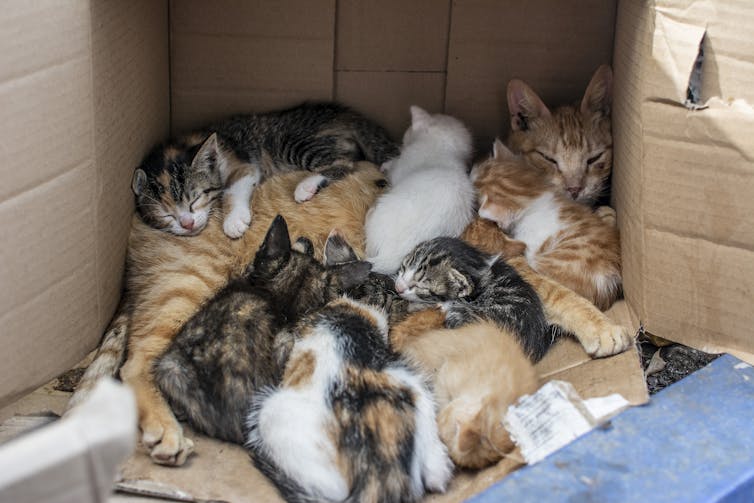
(173, 449)
(606, 214)
(308, 187)
(610, 342)
(237, 222)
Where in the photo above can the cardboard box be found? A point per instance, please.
(87, 89)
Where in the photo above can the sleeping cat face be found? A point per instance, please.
(439, 270)
(177, 185)
(572, 144)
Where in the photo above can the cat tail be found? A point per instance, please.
(109, 357)
(375, 142)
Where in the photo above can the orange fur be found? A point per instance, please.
(583, 255)
(170, 276)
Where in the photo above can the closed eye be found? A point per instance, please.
(548, 158)
(212, 189)
(594, 158)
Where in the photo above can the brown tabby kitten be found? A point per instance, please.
(170, 277)
(563, 239)
(178, 182)
(572, 145)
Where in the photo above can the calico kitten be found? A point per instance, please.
(430, 194)
(169, 277)
(351, 420)
(226, 351)
(563, 239)
(472, 286)
(572, 145)
(179, 182)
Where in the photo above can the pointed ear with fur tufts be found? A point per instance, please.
(500, 151)
(598, 96)
(524, 105)
(458, 284)
(419, 117)
(139, 181)
(277, 243)
(337, 250)
(208, 155)
(469, 434)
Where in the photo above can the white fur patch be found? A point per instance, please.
(539, 221)
(430, 194)
(307, 188)
(293, 423)
(238, 197)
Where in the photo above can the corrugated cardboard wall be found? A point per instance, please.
(83, 92)
(383, 56)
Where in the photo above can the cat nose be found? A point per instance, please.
(400, 286)
(187, 222)
(574, 191)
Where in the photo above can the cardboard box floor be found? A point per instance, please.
(223, 471)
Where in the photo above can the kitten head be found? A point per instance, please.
(573, 144)
(178, 183)
(440, 132)
(440, 270)
(291, 271)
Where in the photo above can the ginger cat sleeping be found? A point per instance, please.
(169, 277)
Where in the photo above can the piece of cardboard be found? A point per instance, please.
(70, 140)
(233, 57)
(553, 46)
(392, 35)
(387, 96)
(683, 178)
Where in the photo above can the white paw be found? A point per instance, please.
(237, 222)
(438, 470)
(611, 342)
(306, 189)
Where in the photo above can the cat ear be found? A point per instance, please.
(469, 433)
(337, 249)
(353, 274)
(208, 154)
(304, 245)
(500, 151)
(139, 181)
(598, 96)
(277, 243)
(419, 117)
(459, 284)
(524, 105)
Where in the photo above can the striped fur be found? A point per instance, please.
(169, 277)
(572, 145)
(560, 237)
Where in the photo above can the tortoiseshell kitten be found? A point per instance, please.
(472, 286)
(226, 351)
(351, 419)
(572, 145)
(179, 182)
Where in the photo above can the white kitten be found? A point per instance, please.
(431, 195)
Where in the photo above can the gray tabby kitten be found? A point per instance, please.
(179, 182)
(227, 350)
(472, 286)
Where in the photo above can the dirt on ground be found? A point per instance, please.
(665, 362)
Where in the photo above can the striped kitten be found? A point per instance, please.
(351, 420)
(169, 277)
(226, 351)
(179, 182)
(563, 239)
(572, 145)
